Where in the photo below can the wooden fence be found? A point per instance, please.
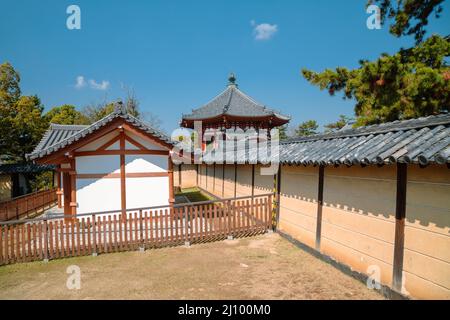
(27, 205)
(104, 232)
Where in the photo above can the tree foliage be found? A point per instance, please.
(411, 83)
(282, 131)
(410, 16)
(307, 128)
(65, 114)
(21, 122)
(339, 124)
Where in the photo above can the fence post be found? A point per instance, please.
(94, 236)
(45, 241)
(186, 227)
(142, 246)
(269, 213)
(229, 212)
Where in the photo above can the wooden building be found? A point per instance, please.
(115, 164)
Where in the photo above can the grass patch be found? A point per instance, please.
(194, 195)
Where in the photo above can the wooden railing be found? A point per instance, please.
(143, 228)
(27, 205)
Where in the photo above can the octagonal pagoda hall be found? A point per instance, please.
(232, 110)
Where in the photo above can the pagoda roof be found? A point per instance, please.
(234, 103)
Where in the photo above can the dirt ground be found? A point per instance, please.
(262, 267)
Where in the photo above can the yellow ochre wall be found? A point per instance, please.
(358, 217)
(426, 262)
(188, 176)
(5, 187)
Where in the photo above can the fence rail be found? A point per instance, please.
(27, 205)
(44, 239)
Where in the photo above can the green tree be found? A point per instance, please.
(282, 130)
(339, 124)
(410, 16)
(307, 128)
(411, 83)
(21, 122)
(65, 114)
(27, 128)
(95, 112)
(9, 85)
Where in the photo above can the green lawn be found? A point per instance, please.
(194, 195)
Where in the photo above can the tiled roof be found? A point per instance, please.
(25, 168)
(420, 141)
(60, 136)
(233, 102)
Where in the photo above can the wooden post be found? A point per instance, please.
(58, 187)
(400, 214)
(179, 175)
(235, 179)
(197, 167)
(123, 194)
(206, 181)
(73, 188)
(45, 241)
(319, 206)
(277, 197)
(170, 171)
(67, 193)
(223, 180)
(94, 235)
(214, 177)
(253, 181)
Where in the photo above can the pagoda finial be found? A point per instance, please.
(232, 80)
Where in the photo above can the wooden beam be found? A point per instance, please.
(123, 194)
(400, 215)
(206, 184)
(135, 143)
(147, 136)
(319, 206)
(119, 175)
(73, 190)
(109, 143)
(120, 152)
(179, 175)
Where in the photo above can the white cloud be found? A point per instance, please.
(80, 82)
(99, 86)
(263, 31)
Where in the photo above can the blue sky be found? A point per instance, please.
(176, 55)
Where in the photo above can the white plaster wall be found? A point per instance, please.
(149, 145)
(146, 163)
(98, 164)
(94, 195)
(94, 145)
(147, 192)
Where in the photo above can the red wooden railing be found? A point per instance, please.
(143, 228)
(27, 205)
